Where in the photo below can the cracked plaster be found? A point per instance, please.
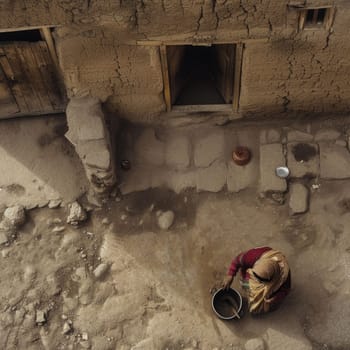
(283, 71)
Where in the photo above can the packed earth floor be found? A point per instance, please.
(117, 280)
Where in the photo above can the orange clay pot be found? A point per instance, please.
(241, 155)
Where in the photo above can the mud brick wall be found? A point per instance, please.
(283, 71)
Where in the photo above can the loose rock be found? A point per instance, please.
(194, 343)
(76, 214)
(3, 238)
(100, 270)
(254, 344)
(84, 344)
(15, 215)
(40, 317)
(67, 327)
(29, 273)
(166, 219)
(278, 197)
(54, 203)
(105, 221)
(57, 229)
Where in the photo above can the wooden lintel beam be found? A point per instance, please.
(237, 77)
(165, 73)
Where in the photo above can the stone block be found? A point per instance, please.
(208, 149)
(91, 130)
(340, 142)
(213, 178)
(270, 136)
(299, 136)
(303, 159)
(137, 179)
(299, 199)
(100, 159)
(271, 157)
(148, 149)
(177, 152)
(87, 132)
(179, 181)
(240, 177)
(327, 135)
(334, 161)
(276, 340)
(85, 120)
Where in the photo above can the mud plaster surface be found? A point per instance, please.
(284, 70)
(157, 288)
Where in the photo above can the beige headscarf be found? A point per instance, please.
(272, 264)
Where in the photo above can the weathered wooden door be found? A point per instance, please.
(224, 57)
(31, 79)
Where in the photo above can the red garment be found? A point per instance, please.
(246, 260)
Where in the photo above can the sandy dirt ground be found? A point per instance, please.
(37, 162)
(156, 291)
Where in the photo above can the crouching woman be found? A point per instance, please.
(265, 276)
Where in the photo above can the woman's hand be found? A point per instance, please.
(226, 284)
(269, 300)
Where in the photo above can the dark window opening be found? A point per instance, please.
(22, 35)
(201, 75)
(309, 16)
(321, 16)
(315, 17)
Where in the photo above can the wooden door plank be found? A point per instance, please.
(45, 87)
(11, 78)
(20, 83)
(8, 105)
(36, 80)
(44, 76)
(49, 74)
(31, 80)
(17, 78)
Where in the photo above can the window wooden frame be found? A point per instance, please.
(232, 107)
(327, 21)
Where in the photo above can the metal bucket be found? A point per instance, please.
(227, 304)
